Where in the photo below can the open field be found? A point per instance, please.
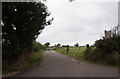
(79, 53)
(75, 52)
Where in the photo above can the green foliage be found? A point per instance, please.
(97, 56)
(108, 46)
(106, 52)
(47, 44)
(75, 52)
(37, 47)
(76, 45)
(94, 55)
(22, 23)
(31, 59)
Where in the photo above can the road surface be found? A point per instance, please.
(58, 65)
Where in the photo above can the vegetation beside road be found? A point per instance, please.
(105, 51)
(95, 54)
(19, 49)
(27, 61)
(75, 52)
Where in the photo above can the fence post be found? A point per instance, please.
(67, 48)
(87, 47)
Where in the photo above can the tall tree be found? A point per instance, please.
(47, 44)
(22, 23)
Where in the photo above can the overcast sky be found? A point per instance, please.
(80, 22)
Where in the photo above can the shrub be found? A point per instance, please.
(108, 46)
(37, 46)
(107, 51)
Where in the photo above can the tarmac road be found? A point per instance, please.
(58, 65)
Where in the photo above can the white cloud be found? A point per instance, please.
(79, 21)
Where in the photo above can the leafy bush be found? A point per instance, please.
(106, 51)
(26, 60)
(37, 46)
(108, 45)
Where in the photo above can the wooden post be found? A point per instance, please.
(87, 47)
(67, 48)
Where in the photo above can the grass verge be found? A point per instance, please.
(79, 53)
(30, 60)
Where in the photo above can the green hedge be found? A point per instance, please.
(107, 51)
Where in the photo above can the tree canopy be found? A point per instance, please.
(47, 44)
(22, 23)
(76, 45)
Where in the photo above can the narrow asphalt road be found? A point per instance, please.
(58, 65)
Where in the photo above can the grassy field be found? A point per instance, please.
(75, 52)
(31, 60)
(79, 53)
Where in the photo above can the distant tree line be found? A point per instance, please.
(76, 45)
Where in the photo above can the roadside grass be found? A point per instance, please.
(30, 60)
(98, 57)
(79, 53)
